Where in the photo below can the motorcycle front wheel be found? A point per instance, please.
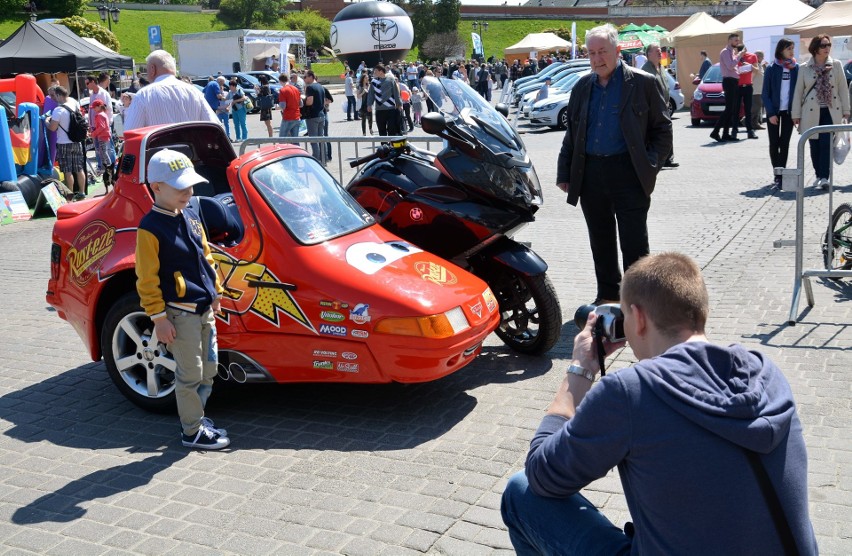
(530, 316)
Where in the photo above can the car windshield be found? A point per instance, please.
(251, 79)
(713, 75)
(307, 200)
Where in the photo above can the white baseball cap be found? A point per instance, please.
(174, 169)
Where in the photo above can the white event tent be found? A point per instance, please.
(766, 19)
(699, 32)
(833, 18)
(535, 42)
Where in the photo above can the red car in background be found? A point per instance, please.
(708, 100)
(315, 289)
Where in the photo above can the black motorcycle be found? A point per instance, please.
(465, 203)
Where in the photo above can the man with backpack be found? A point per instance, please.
(71, 129)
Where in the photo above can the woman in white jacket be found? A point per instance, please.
(820, 98)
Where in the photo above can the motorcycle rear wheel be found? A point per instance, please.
(530, 316)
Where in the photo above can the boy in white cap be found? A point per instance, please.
(180, 291)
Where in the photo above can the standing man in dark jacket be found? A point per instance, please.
(653, 65)
(619, 134)
(693, 428)
(315, 101)
(384, 94)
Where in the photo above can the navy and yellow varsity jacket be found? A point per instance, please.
(174, 264)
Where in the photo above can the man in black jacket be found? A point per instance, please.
(619, 135)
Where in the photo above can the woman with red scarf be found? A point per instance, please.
(779, 82)
(820, 98)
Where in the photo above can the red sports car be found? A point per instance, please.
(315, 290)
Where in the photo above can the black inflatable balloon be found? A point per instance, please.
(370, 31)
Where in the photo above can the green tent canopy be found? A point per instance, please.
(635, 41)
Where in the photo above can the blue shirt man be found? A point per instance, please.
(604, 136)
(211, 94)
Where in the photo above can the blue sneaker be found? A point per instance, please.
(205, 439)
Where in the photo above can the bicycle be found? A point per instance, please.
(838, 255)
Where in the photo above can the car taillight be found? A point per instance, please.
(677, 85)
(55, 257)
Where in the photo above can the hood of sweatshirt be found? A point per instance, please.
(732, 392)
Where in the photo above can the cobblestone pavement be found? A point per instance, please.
(391, 469)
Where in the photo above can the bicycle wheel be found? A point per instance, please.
(840, 234)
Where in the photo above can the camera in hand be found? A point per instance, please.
(610, 323)
(740, 47)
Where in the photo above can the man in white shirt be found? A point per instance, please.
(69, 155)
(167, 99)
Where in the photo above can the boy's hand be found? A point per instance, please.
(216, 305)
(164, 330)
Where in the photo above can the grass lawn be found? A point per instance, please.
(132, 32)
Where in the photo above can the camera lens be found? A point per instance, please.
(582, 315)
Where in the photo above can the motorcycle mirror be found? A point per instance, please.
(503, 109)
(433, 123)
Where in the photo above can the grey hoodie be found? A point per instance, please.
(676, 426)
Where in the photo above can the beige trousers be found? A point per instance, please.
(195, 352)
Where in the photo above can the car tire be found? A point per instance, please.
(672, 108)
(696, 122)
(131, 359)
(563, 118)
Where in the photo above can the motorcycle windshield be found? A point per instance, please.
(502, 168)
(457, 100)
(307, 200)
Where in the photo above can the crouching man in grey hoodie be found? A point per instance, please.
(694, 428)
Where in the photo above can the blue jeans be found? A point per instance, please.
(315, 129)
(289, 128)
(563, 526)
(226, 121)
(104, 148)
(240, 128)
(821, 147)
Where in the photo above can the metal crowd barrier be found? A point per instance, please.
(793, 179)
(355, 140)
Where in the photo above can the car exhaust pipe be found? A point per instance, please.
(237, 372)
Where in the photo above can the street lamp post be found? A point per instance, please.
(109, 13)
(379, 27)
(480, 27)
(32, 11)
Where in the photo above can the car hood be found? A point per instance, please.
(710, 88)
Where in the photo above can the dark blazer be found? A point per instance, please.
(772, 88)
(645, 122)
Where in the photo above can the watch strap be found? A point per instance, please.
(578, 370)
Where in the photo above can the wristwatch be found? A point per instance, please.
(578, 370)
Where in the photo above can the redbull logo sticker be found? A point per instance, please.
(435, 273)
(251, 287)
(88, 251)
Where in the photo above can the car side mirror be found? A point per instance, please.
(433, 123)
(503, 109)
(696, 81)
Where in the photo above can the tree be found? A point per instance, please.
(421, 12)
(84, 28)
(447, 15)
(315, 26)
(62, 8)
(561, 32)
(441, 46)
(247, 14)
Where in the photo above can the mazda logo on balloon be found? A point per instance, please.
(384, 30)
(333, 36)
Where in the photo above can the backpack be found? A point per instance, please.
(78, 128)
(265, 102)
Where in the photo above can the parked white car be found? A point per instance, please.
(553, 111)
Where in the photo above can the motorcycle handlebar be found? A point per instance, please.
(382, 152)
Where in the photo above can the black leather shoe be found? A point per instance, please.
(752, 135)
(715, 136)
(729, 138)
(670, 164)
